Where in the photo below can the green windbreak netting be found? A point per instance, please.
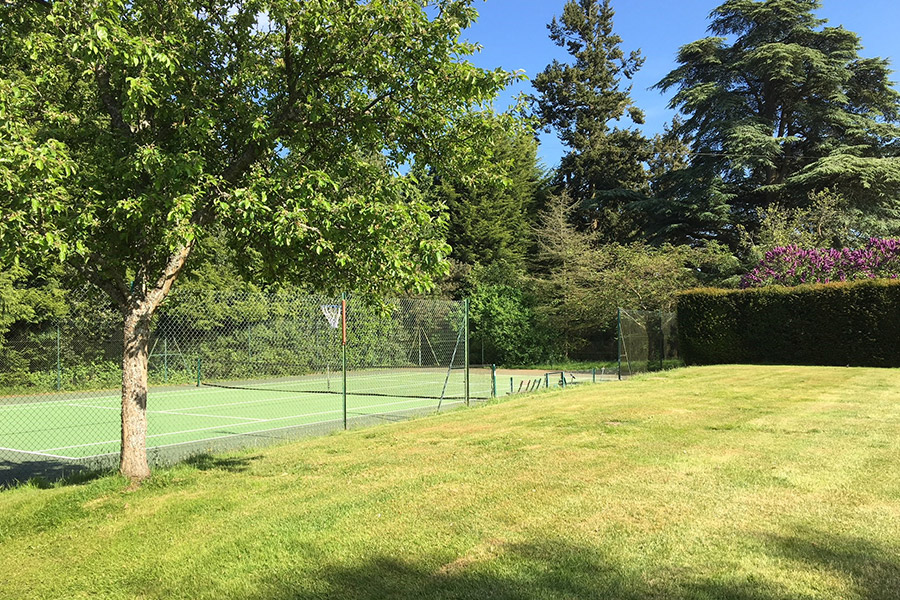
(648, 341)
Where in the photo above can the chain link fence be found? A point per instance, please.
(227, 370)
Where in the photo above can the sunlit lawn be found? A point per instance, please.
(726, 482)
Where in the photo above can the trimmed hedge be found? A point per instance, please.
(852, 324)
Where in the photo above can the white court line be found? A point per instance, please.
(180, 414)
(247, 421)
(46, 402)
(183, 392)
(231, 435)
(150, 436)
(304, 415)
(204, 391)
(169, 412)
(42, 453)
(294, 395)
(115, 408)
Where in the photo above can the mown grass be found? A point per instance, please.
(755, 483)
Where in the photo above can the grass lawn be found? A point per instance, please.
(724, 482)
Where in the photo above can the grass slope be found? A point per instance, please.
(755, 483)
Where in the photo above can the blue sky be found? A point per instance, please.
(514, 36)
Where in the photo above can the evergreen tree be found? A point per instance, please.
(565, 274)
(778, 105)
(582, 101)
(489, 219)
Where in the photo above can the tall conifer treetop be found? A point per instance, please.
(776, 105)
(579, 100)
(582, 101)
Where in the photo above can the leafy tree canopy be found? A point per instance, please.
(490, 219)
(580, 282)
(133, 126)
(776, 105)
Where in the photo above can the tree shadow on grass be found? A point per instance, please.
(528, 571)
(48, 473)
(561, 570)
(873, 569)
(231, 464)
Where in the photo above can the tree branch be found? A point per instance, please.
(164, 284)
(108, 282)
(109, 101)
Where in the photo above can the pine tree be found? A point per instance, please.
(581, 102)
(490, 219)
(778, 105)
(564, 273)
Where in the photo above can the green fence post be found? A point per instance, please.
(510, 385)
(547, 381)
(199, 362)
(466, 347)
(593, 374)
(58, 362)
(619, 337)
(662, 343)
(344, 354)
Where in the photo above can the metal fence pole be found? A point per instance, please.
(344, 354)
(466, 347)
(58, 361)
(493, 381)
(619, 329)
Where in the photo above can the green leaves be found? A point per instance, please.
(582, 101)
(135, 127)
(772, 108)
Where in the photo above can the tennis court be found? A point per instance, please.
(87, 426)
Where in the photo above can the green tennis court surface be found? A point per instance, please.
(88, 426)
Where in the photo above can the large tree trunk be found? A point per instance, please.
(133, 458)
(138, 307)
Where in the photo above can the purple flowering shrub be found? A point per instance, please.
(792, 265)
